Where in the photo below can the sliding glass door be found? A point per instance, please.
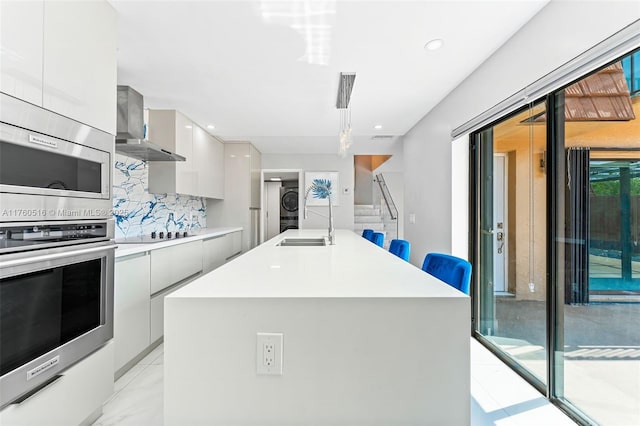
(557, 244)
(511, 270)
(599, 360)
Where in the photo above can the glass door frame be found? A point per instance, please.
(555, 169)
(479, 146)
(555, 197)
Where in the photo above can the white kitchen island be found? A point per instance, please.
(368, 339)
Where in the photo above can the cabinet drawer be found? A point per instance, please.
(214, 253)
(235, 243)
(157, 313)
(172, 264)
(80, 391)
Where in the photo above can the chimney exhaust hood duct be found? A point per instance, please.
(130, 127)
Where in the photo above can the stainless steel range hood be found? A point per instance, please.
(130, 126)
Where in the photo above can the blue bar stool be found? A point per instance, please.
(378, 238)
(400, 248)
(367, 233)
(452, 270)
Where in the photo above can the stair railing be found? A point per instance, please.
(387, 200)
(386, 195)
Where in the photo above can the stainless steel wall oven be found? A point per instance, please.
(56, 302)
(56, 246)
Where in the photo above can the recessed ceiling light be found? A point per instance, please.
(211, 126)
(378, 126)
(188, 126)
(434, 44)
(275, 179)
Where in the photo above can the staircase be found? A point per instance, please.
(369, 216)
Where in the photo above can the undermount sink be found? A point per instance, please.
(302, 242)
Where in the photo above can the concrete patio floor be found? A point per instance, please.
(601, 353)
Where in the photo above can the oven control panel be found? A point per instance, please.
(15, 237)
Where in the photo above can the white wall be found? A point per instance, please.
(460, 197)
(363, 185)
(560, 32)
(343, 214)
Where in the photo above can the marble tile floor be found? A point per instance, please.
(498, 395)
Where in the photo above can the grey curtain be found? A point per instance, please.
(577, 227)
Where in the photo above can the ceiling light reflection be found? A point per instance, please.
(312, 19)
(434, 44)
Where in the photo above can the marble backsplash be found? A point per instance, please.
(136, 212)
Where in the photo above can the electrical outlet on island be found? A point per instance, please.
(269, 354)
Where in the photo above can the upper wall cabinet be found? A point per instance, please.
(202, 174)
(174, 132)
(80, 63)
(208, 155)
(61, 56)
(21, 49)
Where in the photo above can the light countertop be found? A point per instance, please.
(352, 322)
(353, 267)
(201, 234)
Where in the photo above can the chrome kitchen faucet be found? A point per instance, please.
(322, 190)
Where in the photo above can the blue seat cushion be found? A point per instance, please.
(453, 270)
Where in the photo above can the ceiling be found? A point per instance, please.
(267, 71)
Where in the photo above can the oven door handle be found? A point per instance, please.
(55, 256)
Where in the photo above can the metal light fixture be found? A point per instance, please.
(342, 103)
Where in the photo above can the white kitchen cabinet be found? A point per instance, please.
(61, 56)
(215, 252)
(208, 153)
(234, 245)
(157, 318)
(172, 131)
(79, 62)
(255, 167)
(131, 307)
(216, 167)
(241, 207)
(170, 265)
(202, 174)
(21, 49)
(74, 398)
(142, 281)
(157, 312)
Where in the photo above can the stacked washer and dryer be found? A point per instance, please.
(288, 208)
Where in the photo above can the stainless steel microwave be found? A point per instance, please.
(51, 167)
